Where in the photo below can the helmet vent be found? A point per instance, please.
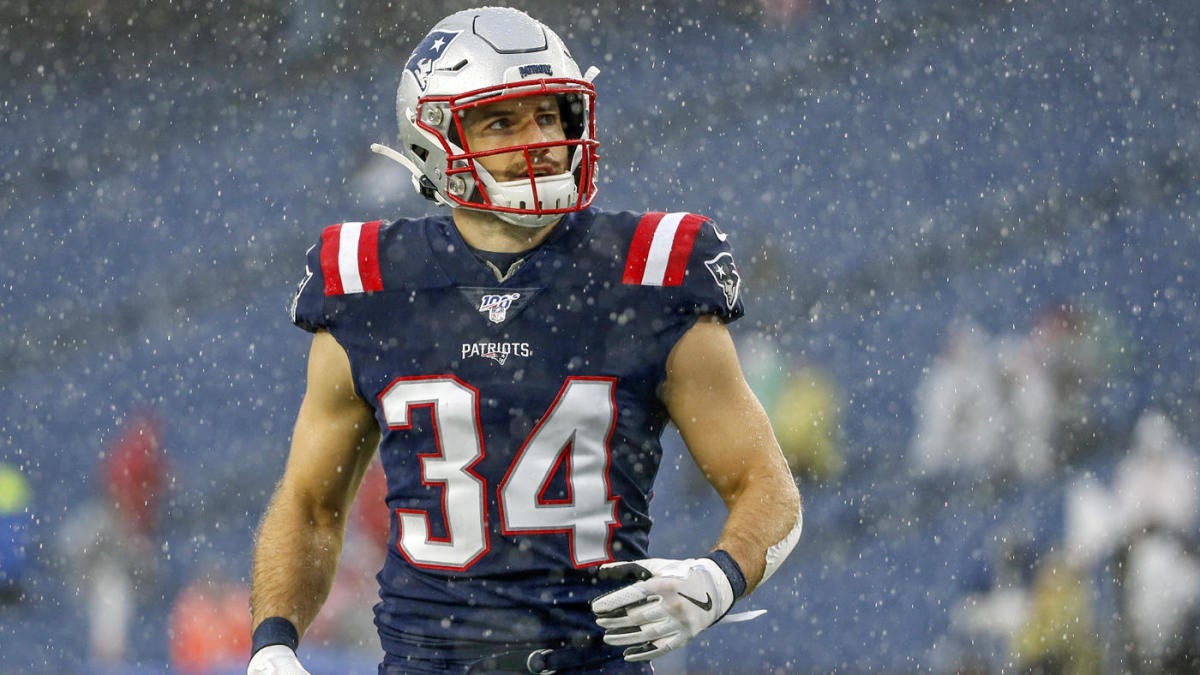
(511, 32)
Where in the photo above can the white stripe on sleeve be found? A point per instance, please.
(348, 258)
(660, 249)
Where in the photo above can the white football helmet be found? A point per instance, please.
(482, 56)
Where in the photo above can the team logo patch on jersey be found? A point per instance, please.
(499, 352)
(427, 53)
(496, 305)
(724, 271)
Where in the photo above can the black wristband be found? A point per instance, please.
(275, 630)
(731, 569)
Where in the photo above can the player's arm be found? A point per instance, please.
(731, 440)
(300, 537)
(730, 437)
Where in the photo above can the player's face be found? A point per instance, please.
(516, 122)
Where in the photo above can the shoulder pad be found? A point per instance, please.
(689, 254)
(376, 256)
(354, 259)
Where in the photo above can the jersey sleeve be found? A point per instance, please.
(712, 284)
(345, 262)
(691, 259)
(308, 304)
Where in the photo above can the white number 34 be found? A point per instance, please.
(573, 436)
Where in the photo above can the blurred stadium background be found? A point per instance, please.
(886, 169)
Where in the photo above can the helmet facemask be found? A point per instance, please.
(544, 180)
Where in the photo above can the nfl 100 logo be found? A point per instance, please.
(496, 305)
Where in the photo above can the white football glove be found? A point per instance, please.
(275, 660)
(668, 604)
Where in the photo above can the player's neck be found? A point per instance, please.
(486, 232)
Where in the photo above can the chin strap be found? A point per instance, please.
(396, 156)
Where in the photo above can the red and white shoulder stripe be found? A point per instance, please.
(662, 243)
(350, 258)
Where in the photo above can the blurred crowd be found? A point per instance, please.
(1026, 410)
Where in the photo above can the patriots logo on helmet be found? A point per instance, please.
(420, 64)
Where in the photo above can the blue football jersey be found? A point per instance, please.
(520, 418)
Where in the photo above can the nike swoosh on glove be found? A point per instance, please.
(668, 603)
(275, 660)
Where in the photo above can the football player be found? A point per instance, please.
(515, 362)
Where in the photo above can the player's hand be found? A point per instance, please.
(275, 660)
(668, 603)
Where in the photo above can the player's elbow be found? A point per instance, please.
(311, 508)
(326, 512)
(780, 491)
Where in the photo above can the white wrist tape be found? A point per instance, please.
(779, 551)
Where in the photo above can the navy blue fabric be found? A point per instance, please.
(275, 630)
(731, 569)
(571, 320)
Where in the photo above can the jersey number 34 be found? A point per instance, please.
(573, 436)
